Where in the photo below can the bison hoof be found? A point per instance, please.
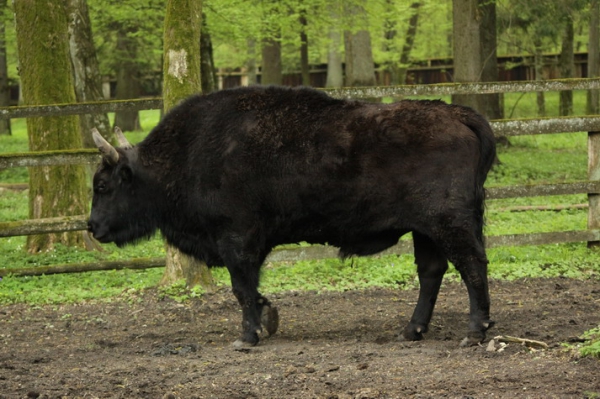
(477, 335)
(413, 333)
(270, 319)
(474, 338)
(239, 344)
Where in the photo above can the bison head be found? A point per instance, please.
(123, 197)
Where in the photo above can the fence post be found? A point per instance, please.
(594, 175)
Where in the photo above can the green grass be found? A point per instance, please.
(528, 160)
(591, 347)
(13, 206)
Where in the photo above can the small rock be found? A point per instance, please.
(289, 371)
(309, 369)
(491, 347)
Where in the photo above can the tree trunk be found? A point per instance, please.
(207, 64)
(182, 79)
(468, 63)
(251, 62)
(271, 62)
(128, 79)
(489, 103)
(86, 72)
(566, 62)
(392, 65)
(46, 78)
(335, 71)
(593, 106)
(409, 42)
(304, 64)
(538, 59)
(360, 68)
(4, 88)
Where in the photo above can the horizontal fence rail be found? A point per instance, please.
(445, 89)
(28, 111)
(42, 226)
(516, 127)
(542, 190)
(50, 158)
(440, 89)
(521, 127)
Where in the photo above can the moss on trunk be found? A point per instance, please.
(46, 78)
(182, 79)
(181, 51)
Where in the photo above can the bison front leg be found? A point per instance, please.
(431, 266)
(243, 257)
(256, 309)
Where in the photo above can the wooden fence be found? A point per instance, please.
(591, 187)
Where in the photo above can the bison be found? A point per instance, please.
(228, 176)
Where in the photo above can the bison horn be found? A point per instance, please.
(121, 138)
(106, 149)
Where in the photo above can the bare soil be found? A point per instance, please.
(329, 345)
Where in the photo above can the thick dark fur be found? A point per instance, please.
(227, 176)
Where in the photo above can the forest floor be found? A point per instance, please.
(329, 345)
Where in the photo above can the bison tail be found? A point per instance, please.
(487, 157)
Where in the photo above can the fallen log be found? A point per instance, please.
(554, 208)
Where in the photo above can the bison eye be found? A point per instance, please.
(100, 187)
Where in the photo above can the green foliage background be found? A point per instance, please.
(232, 22)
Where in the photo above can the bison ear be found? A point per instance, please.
(109, 153)
(125, 173)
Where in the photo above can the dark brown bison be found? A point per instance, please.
(228, 176)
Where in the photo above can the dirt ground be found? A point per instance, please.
(329, 345)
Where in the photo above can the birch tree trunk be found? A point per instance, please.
(46, 78)
(182, 79)
(86, 71)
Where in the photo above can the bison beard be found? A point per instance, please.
(228, 176)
